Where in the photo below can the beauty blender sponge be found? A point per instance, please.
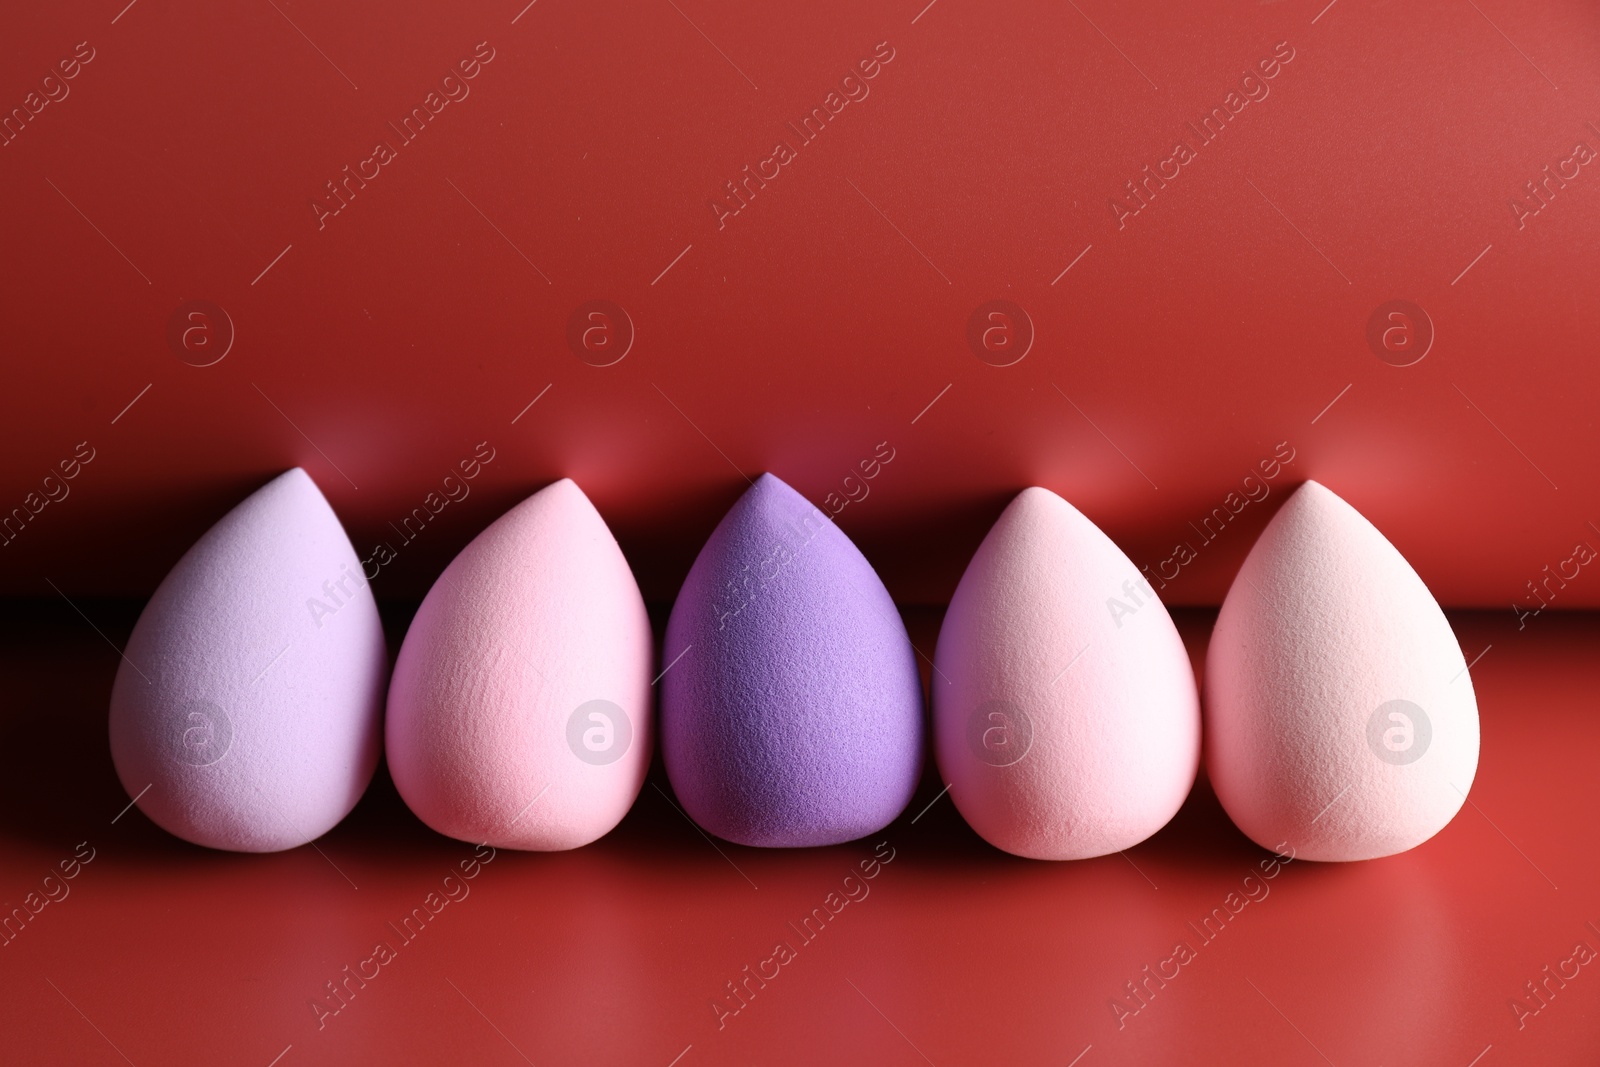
(791, 710)
(1065, 712)
(247, 711)
(1340, 716)
(519, 712)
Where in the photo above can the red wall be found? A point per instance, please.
(1180, 349)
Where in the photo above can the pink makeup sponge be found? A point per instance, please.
(519, 713)
(1341, 721)
(246, 712)
(1066, 718)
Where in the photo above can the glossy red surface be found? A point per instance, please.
(954, 953)
(377, 345)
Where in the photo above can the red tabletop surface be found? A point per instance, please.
(954, 953)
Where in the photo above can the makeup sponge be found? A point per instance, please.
(519, 712)
(246, 714)
(1066, 717)
(1340, 717)
(791, 709)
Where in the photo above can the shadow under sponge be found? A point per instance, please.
(794, 715)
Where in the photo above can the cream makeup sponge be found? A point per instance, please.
(1066, 719)
(246, 712)
(1340, 717)
(519, 713)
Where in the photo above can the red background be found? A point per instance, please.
(829, 315)
(808, 329)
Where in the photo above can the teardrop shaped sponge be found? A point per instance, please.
(247, 712)
(1066, 716)
(519, 713)
(1340, 717)
(794, 715)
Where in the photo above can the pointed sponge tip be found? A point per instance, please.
(520, 710)
(1341, 722)
(1066, 716)
(247, 711)
(791, 708)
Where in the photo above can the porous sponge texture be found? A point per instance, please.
(1066, 715)
(794, 715)
(250, 697)
(520, 709)
(1340, 716)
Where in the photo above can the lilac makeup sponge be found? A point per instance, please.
(1340, 717)
(791, 711)
(519, 712)
(1065, 713)
(246, 714)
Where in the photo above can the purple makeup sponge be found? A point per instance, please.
(791, 709)
(247, 711)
